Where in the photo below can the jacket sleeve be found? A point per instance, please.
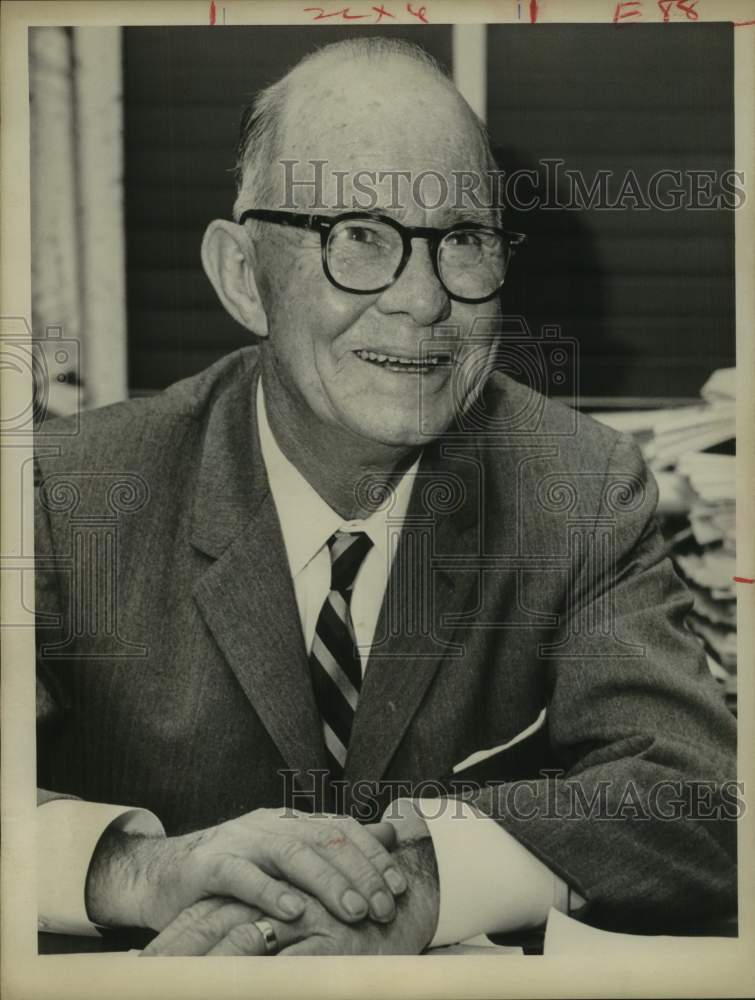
(68, 828)
(641, 820)
(50, 627)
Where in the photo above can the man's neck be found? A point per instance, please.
(347, 485)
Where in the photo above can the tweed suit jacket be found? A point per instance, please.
(530, 594)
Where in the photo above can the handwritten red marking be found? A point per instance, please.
(620, 15)
(742, 24)
(743, 579)
(421, 13)
(685, 6)
(212, 12)
(533, 11)
(688, 6)
(381, 13)
(344, 13)
(322, 14)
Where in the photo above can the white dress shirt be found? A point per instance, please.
(307, 523)
(489, 882)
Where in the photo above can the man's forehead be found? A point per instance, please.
(400, 131)
(372, 107)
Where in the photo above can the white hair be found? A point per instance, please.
(260, 135)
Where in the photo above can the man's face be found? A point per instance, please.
(323, 341)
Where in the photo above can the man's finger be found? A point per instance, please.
(303, 866)
(240, 879)
(247, 939)
(200, 927)
(184, 927)
(334, 843)
(375, 844)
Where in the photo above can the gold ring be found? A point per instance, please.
(269, 936)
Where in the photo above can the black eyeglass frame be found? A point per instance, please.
(325, 223)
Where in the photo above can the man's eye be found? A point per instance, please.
(361, 234)
(464, 238)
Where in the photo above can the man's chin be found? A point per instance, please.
(390, 431)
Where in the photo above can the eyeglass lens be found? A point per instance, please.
(364, 255)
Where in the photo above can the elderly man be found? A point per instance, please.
(352, 571)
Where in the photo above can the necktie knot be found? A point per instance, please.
(347, 552)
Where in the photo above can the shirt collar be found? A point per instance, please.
(306, 520)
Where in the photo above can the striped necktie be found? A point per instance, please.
(334, 661)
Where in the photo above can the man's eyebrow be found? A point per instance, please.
(481, 216)
(451, 217)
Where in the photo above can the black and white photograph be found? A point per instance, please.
(383, 565)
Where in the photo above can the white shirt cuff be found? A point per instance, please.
(68, 831)
(489, 882)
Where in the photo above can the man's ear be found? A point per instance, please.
(228, 258)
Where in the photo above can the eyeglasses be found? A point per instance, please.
(365, 254)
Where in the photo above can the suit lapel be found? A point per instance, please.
(246, 595)
(415, 633)
(247, 600)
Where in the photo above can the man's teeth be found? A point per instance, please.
(391, 359)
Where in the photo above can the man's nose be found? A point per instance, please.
(417, 291)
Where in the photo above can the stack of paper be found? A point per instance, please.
(709, 574)
(700, 485)
(721, 385)
(711, 477)
(666, 435)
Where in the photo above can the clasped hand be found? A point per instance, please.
(314, 875)
(227, 927)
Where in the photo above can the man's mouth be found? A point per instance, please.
(395, 363)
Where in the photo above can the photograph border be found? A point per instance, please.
(716, 967)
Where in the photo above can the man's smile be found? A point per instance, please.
(405, 364)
